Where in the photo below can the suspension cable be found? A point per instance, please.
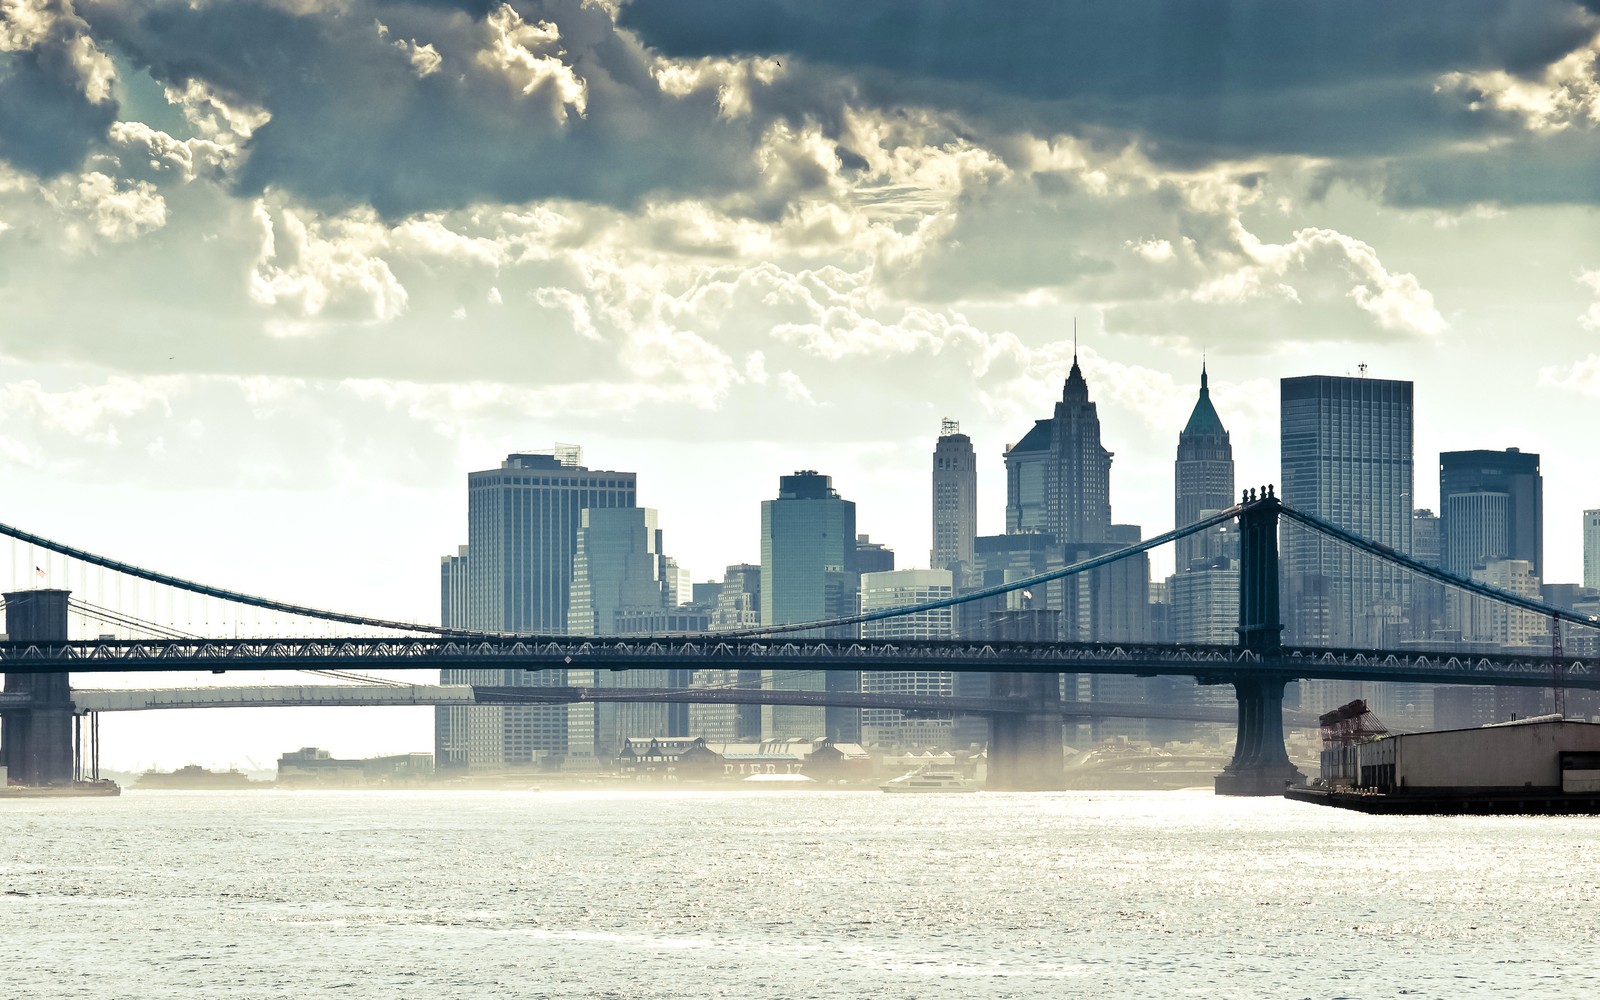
(1433, 572)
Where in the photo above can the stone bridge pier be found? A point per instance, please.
(36, 742)
(1025, 749)
(1260, 765)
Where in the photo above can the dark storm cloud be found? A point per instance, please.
(1562, 168)
(352, 122)
(1201, 78)
(47, 125)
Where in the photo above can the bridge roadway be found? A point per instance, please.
(86, 700)
(1210, 664)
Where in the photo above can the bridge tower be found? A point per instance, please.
(36, 742)
(1260, 765)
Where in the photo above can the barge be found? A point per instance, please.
(1541, 766)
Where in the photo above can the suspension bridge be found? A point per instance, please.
(53, 633)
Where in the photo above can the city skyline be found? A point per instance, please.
(259, 334)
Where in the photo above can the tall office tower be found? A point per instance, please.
(1203, 593)
(1346, 451)
(522, 532)
(618, 573)
(955, 501)
(808, 573)
(1202, 479)
(1427, 615)
(1058, 477)
(453, 589)
(1591, 549)
(451, 723)
(896, 589)
(1491, 506)
(1110, 604)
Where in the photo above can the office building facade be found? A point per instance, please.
(1202, 479)
(1347, 457)
(1058, 477)
(809, 573)
(522, 531)
(1491, 506)
(1591, 549)
(896, 589)
(955, 501)
(619, 586)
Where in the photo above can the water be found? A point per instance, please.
(787, 894)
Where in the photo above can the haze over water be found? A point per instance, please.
(785, 895)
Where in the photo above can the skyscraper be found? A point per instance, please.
(895, 589)
(1203, 593)
(1202, 477)
(1491, 506)
(1346, 451)
(522, 530)
(955, 501)
(618, 572)
(1591, 549)
(808, 573)
(1058, 477)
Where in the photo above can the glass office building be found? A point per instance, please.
(1346, 451)
(522, 531)
(808, 573)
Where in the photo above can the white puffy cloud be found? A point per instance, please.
(120, 211)
(529, 58)
(309, 269)
(1565, 95)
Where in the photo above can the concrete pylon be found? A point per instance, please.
(1025, 749)
(36, 742)
(1260, 765)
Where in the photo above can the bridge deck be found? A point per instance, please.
(1214, 664)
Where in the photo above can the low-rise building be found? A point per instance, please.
(694, 759)
(313, 766)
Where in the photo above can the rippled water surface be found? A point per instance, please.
(786, 895)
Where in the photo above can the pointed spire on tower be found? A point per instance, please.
(1076, 388)
(1204, 419)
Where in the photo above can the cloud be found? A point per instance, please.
(120, 212)
(1590, 320)
(55, 86)
(1199, 79)
(309, 273)
(1582, 376)
(437, 108)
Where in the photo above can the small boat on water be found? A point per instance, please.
(930, 781)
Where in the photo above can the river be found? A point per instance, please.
(786, 894)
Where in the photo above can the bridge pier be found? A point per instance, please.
(1025, 749)
(36, 742)
(1260, 764)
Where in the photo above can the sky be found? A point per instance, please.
(276, 274)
